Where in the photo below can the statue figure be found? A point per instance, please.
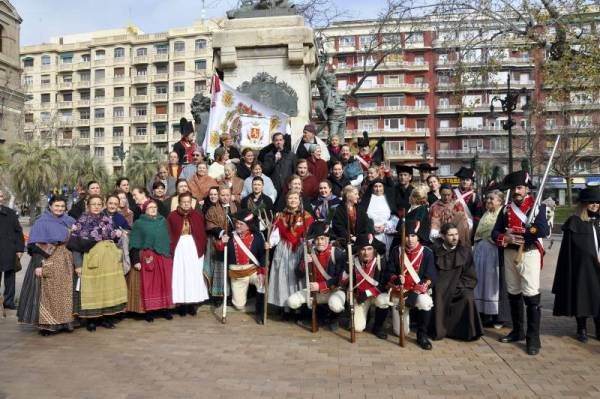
(332, 107)
(257, 8)
(200, 112)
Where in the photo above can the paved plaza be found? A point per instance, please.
(200, 358)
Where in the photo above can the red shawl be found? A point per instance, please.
(197, 227)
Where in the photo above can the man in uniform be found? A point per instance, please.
(370, 276)
(364, 156)
(523, 252)
(425, 171)
(326, 264)
(468, 199)
(246, 259)
(417, 281)
(404, 188)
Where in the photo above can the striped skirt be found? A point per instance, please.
(134, 291)
(282, 278)
(487, 291)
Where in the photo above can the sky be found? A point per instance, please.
(43, 19)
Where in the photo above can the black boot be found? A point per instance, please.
(334, 321)
(581, 329)
(181, 310)
(380, 316)
(192, 309)
(149, 317)
(166, 313)
(107, 322)
(517, 316)
(534, 315)
(423, 317)
(90, 325)
(259, 308)
(597, 326)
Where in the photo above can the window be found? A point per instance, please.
(550, 123)
(471, 100)
(369, 82)
(84, 76)
(420, 102)
(393, 124)
(67, 96)
(179, 87)
(200, 44)
(99, 75)
(179, 67)
(160, 109)
(414, 38)
(28, 80)
(84, 114)
(469, 145)
(200, 65)
(392, 38)
(118, 111)
(524, 78)
(419, 59)
(45, 116)
(100, 55)
(393, 80)
(160, 128)
(367, 41)
(369, 61)
(370, 125)
(444, 102)
(119, 72)
(29, 117)
(342, 84)
(84, 95)
(162, 68)
(443, 58)
(419, 81)
(66, 58)
(141, 71)
(45, 79)
(420, 147)
(86, 58)
(347, 41)
(199, 86)
(140, 130)
(421, 124)
(99, 93)
(179, 108)
(179, 46)
(67, 134)
(162, 89)
(119, 92)
(581, 121)
(84, 132)
(141, 91)
(117, 131)
(99, 113)
(99, 152)
(45, 98)
(395, 101)
(161, 48)
(499, 144)
(141, 52)
(444, 123)
(119, 52)
(27, 62)
(140, 112)
(45, 60)
(367, 103)
(66, 115)
(395, 147)
(68, 78)
(99, 132)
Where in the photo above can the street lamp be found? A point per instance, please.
(509, 104)
(120, 154)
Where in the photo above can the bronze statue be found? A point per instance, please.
(262, 8)
(332, 107)
(200, 112)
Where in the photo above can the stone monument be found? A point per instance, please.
(267, 52)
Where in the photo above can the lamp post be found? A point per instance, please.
(508, 104)
(121, 154)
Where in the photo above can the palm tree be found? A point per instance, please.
(33, 171)
(141, 164)
(88, 168)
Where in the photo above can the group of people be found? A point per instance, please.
(300, 223)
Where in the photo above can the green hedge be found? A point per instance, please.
(562, 213)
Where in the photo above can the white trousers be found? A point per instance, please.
(239, 289)
(336, 300)
(523, 278)
(361, 311)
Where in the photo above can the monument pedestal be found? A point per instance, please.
(281, 46)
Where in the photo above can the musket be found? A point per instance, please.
(311, 297)
(224, 314)
(538, 200)
(351, 282)
(401, 304)
(268, 221)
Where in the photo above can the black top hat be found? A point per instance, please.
(590, 194)
(364, 140)
(465, 173)
(186, 128)
(518, 178)
(404, 168)
(365, 240)
(423, 166)
(317, 229)
(246, 216)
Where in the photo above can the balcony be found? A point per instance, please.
(82, 122)
(469, 153)
(65, 86)
(405, 132)
(160, 137)
(160, 77)
(99, 81)
(571, 129)
(140, 79)
(160, 97)
(179, 54)
(201, 52)
(120, 60)
(82, 103)
(120, 79)
(179, 94)
(81, 141)
(45, 86)
(140, 59)
(65, 104)
(65, 142)
(65, 67)
(385, 66)
(490, 85)
(139, 138)
(402, 155)
(160, 117)
(140, 99)
(572, 106)
(29, 126)
(119, 100)
(82, 84)
(448, 109)
(44, 67)
(46, 105)
(100, 62)
(65, 123)
(388, 109)
(119, 119)
(84, 65)
(99, 100)
(392, 87)
(160, 57)
(139, 119)
(99, 120)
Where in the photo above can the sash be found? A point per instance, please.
(245, 249)
(362, 161)
(364, 274)
(461, 199)
(410, 268)
(522, 217)
(318, 265)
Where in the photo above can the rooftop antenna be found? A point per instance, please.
(203, 12)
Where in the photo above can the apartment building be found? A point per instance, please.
(107, 92)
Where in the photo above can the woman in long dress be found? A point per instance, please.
(100, 291)
(149, 249)
(287, 237)
(487, 266)
(380, 206)
(188, 243)
(46, 300)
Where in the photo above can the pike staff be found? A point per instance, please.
(267, 219)
(224, 313)
(351, 282)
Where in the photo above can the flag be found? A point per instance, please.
(249, 122)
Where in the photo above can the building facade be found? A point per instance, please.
(109, 91)
(11, 94)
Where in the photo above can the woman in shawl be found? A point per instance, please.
(287, 235)
(46, 300)
(149, 249)
(112, 210)
(324, 206)
(349, 215)
(100, 290)
(379, 204)
(490, 276)
(188, 243)
(124, 208)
